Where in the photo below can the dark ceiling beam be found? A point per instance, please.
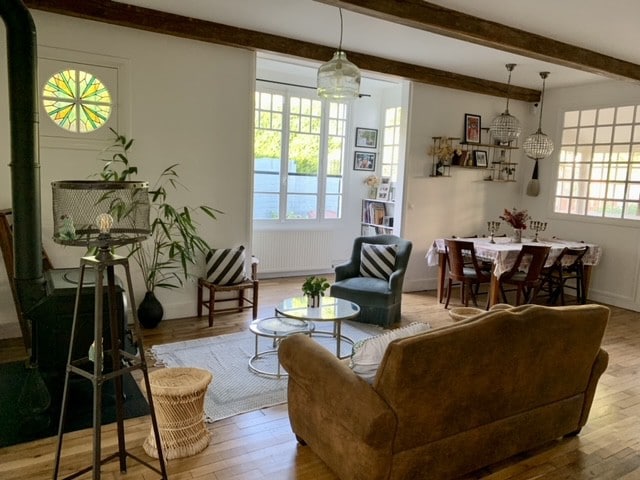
(451, 23)
(155, 21)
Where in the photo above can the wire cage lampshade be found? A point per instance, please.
(339, 79)
(99, 213)
(505, 128)
(538, 145)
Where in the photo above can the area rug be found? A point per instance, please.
(235, 389)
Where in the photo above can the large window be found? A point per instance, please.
(599, 167)
(299, 157)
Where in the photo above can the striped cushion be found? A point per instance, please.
(377, 261)
(225, 266)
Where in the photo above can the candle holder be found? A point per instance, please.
(493, 227)
(537, 227)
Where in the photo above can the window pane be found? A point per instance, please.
(585, 135)
(333, 204)
(266, 182)
(301, 207)
(561, 205)
(605, 116)
(594, 208)
(588, 117)
(578, 206)
(266, 206)
(603, 134)
(625, 115)
(613, 209)
(570, 136)
(571, 119)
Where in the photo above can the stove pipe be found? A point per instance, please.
(25, 164)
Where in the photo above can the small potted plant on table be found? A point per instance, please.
(313, 288)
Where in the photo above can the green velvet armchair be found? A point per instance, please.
(379, 300)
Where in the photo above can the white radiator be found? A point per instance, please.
(293, 251)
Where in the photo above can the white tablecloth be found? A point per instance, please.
(503, 253)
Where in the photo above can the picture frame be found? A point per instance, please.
(366, 137)
(472, 128)
(364, 161)
(383, 192)
(480, 158)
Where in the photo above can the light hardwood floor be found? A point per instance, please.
(259, 445)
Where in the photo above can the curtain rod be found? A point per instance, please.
(297, 85)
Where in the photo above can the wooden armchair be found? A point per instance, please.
(244, 302)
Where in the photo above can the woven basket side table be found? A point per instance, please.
(178, 395)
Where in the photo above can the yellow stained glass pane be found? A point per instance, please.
(77, 101)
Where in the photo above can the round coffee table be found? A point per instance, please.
(275, 328)
(331, 309)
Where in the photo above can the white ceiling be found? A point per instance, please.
(607, 27)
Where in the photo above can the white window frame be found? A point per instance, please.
(608, 137)
(288, 92)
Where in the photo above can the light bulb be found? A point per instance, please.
(104, 221)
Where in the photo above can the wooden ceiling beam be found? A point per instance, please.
(131, 16)
(451, 23)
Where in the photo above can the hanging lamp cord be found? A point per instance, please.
(510, 67)
(341, 28)
(544, 81)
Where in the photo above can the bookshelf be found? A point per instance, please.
(376, 217)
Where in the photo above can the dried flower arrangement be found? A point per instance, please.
(516, 218)
(442, 149)
(372, 181)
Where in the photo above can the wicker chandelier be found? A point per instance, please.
(506, 128)
(538, 145)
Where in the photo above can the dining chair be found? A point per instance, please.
(568, 266)
(464, 269)
(526, 273)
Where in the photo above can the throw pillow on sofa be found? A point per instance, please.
(368, 353)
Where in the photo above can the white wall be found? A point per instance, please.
(616, 279)
(187, 102)
(436, 207)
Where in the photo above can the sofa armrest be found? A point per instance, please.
(346, 270)
(599, 366)
(330, 385)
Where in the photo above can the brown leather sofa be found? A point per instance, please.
(452, 400)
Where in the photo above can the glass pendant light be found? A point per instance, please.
(538, 145)
(339, 79)
(506, 128)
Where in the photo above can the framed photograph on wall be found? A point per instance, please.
(366, 137)
(364, 161)
(480, 158)
(472, 128)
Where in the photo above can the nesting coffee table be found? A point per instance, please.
(331, 309)
(274, 328)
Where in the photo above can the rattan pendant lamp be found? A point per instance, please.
(537, 146)
(505, 128)
(339, 79)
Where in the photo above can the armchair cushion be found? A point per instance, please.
(368, 353)
(377, 260)
(226, 266)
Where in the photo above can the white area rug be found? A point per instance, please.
(235, 389)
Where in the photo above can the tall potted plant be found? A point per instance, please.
(174, 243)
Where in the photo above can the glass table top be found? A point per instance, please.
(280, 326)
(330, 309)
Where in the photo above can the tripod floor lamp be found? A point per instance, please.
(102, 215)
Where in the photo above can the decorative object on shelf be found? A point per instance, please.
(505, 128)
(366, 137)
(364, 161)
(493, 227)
(339, 79)
(372, 182)
(383, 190)
(459, 157)
(538, 145)
(537, 227)
(472, 128)
(442, 152)
(480, 158)
(518, 220)
(313, 288)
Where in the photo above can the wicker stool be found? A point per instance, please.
(178, 396)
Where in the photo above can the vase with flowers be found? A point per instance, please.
(372, 182)
(313, 288)
(518, 220)
(442, 151)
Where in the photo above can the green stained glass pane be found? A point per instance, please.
(77, 101)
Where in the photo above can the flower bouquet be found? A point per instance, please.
(516, 218)
(372, 182)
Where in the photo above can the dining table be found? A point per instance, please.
(502, 253)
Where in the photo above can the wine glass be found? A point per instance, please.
(493, 227)
(537, 227)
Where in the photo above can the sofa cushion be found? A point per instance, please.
(377, 261)
(368, 353)
(225, 266)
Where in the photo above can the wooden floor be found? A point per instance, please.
(260, 445)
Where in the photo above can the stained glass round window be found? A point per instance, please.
(77, 101)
